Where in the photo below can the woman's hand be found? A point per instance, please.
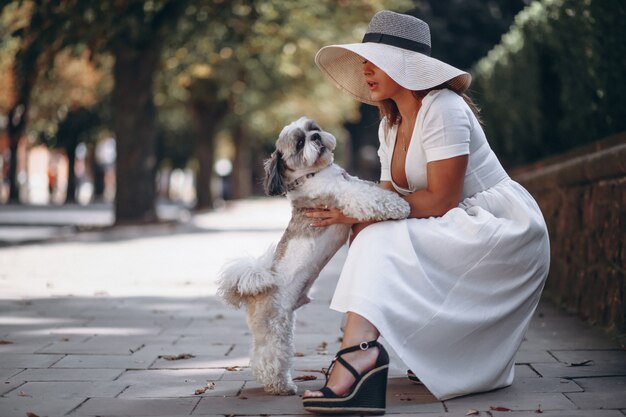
(325, 216)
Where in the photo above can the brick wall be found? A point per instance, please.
(582, 195)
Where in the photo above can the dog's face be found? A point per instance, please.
(302, 148)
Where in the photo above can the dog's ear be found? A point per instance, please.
(274, 170)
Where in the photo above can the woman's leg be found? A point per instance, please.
(357, 330)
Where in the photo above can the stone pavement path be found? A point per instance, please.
(126, 323)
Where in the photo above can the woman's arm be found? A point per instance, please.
(443, 193)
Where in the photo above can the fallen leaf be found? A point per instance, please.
(233, 368)
(243, 398)
(177, 357)
(500, 409)
(29, 414)
(24, 394)
(209, 386)
(5, 342)
(305, 378)
(583, 363)
(472, 412)
(298, 354)
(321, 371)
(321, 347)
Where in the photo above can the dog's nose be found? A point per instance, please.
(316, 136)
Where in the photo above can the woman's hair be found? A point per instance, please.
(389, 110)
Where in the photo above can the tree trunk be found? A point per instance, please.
(136, 133)
(13, 187)
(71, 174)
(242, 166)
(205, 127)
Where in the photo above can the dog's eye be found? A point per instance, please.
(300, 144)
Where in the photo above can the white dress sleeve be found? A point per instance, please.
(446, 128)
(384, 153)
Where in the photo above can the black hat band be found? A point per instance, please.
(397, 41)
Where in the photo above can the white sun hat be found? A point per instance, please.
(399, 45)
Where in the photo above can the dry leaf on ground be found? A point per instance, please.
(583, 363)
(500, 409)
(321, 347)
(177, 357)
(5, 342)
(209, 386)
(29, 414)
(305, 378)
(298, 354)
(233, 368)
(472, 412)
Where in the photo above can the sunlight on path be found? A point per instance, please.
(180, 260)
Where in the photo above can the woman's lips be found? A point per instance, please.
(371, 85)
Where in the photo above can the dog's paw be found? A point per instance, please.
(288, 388)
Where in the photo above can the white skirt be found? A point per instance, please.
(453, 296)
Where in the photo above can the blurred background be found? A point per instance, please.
(133, 103)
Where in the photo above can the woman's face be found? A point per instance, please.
(381, 85)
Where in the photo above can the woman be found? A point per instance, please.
(452, 288)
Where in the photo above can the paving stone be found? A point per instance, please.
(613, 357)
(172, 376)
(201, 361)
(561, 370)
(603, 384)
(533, 356)
(148, 321)
(136, 406)
(243, 374)
(599, 400)
(31, 344)
(259, 404)
(202, 345)
(68, 390)
(17, 360)
(6, 373)
(104, 330)
(183, 389)
(54, 374)
(542, 385)
(8, 386)
(557, 413)
(52, 407)
(511, 400)
(106, 361)
(405, 397)
(106, 345)
(525, 371)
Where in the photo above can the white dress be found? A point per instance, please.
(452, 295)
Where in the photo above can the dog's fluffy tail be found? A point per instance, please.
(247, 276)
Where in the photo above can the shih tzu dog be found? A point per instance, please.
(273, 286)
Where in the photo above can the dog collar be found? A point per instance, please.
(299, 181)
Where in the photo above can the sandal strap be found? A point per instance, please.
(348, 367)
(338, 358)
(360, 346)
(328, 393)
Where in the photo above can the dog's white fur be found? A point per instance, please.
(273, 286)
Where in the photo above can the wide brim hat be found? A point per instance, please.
(398, 44)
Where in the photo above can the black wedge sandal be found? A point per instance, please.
(413, 378)
(366, 396)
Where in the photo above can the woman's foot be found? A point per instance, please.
(340, 379)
